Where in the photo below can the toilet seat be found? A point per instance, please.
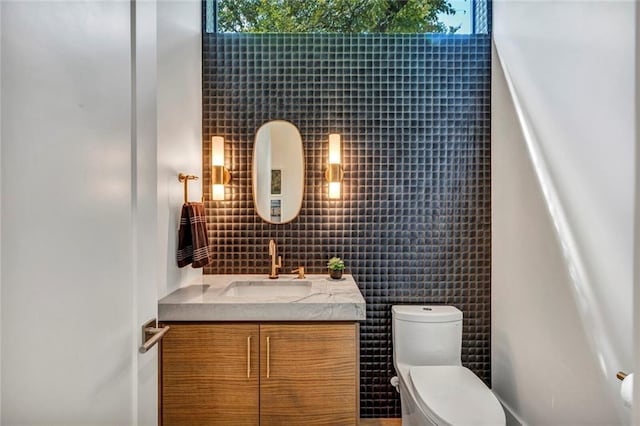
(453, 395)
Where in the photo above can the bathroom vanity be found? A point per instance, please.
(246, 350)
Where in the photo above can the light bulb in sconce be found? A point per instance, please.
(220, 176)
(334, 173)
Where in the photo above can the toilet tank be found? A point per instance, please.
(426, 335)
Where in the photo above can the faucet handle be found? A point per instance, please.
(279, 264)
(299, 271)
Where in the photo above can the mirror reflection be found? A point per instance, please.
(278, 171)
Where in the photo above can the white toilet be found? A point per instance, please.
(435, 389)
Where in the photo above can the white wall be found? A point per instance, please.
(563, 139)
(0, 213)
(67, 309)
(636, 305)
(146, 264)
(262, 189)
(179, 128)
(289, 159)
(90, 199)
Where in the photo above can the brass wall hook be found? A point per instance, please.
(184, 178)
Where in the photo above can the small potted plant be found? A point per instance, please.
(336, 266)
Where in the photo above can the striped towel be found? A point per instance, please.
(193, 245)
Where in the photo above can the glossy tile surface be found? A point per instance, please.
(413, 225)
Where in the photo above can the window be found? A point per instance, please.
(341, 16)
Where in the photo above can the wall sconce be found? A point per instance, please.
(220, 176)
(334, 173)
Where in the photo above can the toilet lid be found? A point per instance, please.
(454, 395)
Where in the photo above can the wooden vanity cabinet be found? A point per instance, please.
(305, 374)
(209, 375)
(309, 374)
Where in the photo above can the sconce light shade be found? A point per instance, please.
(334, 190)
(334, 149)
(217, 151)
(217, 192)
(220, 176)
(334, 173)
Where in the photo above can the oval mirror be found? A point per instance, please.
(278, 171)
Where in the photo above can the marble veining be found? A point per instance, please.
(208, 299)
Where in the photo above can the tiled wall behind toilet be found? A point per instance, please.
(413, 225)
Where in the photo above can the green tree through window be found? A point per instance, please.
(333, 16)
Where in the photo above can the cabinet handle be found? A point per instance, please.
(268, 357)
(248, 357)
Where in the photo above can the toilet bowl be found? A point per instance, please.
(435, 389)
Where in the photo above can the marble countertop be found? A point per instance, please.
(208, 299)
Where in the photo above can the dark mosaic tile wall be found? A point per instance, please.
(413, 225)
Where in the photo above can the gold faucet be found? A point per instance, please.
(274, 265)
(299, 271)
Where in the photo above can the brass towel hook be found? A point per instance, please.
(185, 180)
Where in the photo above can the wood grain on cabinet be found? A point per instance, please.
(203, 375)
(313, 374)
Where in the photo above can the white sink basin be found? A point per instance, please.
(261, 289)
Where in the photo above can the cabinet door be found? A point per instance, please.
(309, 374)
(209, 375)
